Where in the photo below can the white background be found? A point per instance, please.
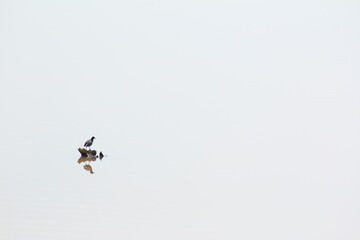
(221, 119)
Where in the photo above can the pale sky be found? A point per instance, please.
(221, 120)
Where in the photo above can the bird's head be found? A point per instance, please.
(92, 138)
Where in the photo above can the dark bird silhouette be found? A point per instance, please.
(101, 155)
(89, 142)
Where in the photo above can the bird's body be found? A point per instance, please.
(89, 142)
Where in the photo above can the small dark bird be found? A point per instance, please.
(101, 155)
(89, 142)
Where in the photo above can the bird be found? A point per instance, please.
(89, 142)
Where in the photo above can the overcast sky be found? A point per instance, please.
(220, 119)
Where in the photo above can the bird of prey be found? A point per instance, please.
(89, 142)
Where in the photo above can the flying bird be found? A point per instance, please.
(89, 142)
